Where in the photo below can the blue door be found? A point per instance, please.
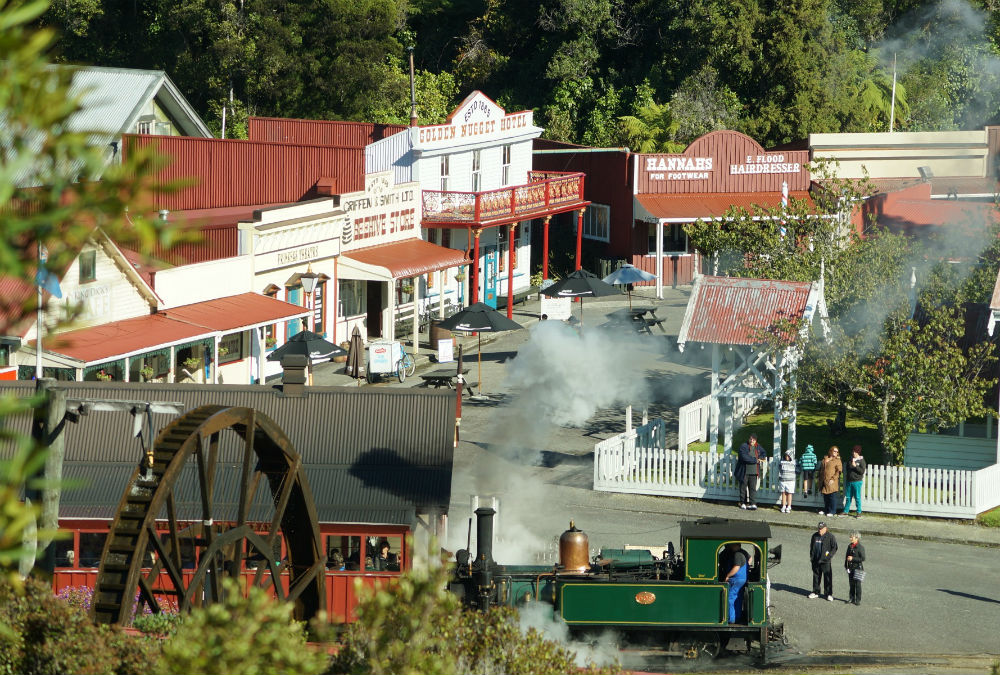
(490, 277)
(295, 325)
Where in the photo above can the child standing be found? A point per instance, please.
(808, 465)
(786, 477)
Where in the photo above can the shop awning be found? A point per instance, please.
(237, 312)
(398, 260)
(202, 320)
(688, 207)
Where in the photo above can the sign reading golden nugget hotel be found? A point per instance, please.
(477, 119)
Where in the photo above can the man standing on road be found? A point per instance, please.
(822, 547)
(749, 458)
(854, 474)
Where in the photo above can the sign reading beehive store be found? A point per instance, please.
(385, 212)
(477, 119)
(723, 161)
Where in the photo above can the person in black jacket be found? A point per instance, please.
(750, 456)
(822, 547)
(854, 474)
(854, 562)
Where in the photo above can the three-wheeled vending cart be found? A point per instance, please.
(386, 357)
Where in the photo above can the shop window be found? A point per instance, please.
(405, 290)
(673, 237)
(4, 355)
(597, 222)
(232, 348)
(91, 547)
(88, 266)
(506, 164)
(270, 332)
(65, 552)
(445, 172)
(446, 238)
(504, 246)
(477, 169)
(353, 295)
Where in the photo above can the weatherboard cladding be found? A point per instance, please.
(237, 173)
(370, 455)
(319, 132)
(724, 310)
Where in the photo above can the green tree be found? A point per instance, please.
(255, 634)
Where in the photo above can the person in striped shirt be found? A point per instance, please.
(786, 477)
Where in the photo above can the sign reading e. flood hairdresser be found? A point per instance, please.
(723, 161)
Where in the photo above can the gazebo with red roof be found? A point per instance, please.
(764, 323)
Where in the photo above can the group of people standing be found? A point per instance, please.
(827, 473)
(822, 548)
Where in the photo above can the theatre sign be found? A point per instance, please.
(722, 161)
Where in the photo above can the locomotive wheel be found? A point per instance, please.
(702, 646)
(218, 504)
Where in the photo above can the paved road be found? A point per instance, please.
(932, 585)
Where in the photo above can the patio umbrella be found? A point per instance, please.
(580, 284)
(628, 274)
(354, 355)
(479, 318)
(308, 344)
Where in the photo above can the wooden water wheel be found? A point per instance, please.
(193, 515)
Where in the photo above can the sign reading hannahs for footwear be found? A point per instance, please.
(723, 161)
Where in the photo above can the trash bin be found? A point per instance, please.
(438, 333)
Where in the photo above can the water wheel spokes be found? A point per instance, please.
(207, 469)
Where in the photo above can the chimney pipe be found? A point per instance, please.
(413, 91)
(484, 534)
(293, 379)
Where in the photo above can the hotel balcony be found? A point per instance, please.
(547, 193)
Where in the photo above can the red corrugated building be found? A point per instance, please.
(640, 202)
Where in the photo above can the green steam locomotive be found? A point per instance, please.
(676, 604)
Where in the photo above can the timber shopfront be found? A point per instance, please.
(716, 172)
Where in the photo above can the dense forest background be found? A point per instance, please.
(650, 74)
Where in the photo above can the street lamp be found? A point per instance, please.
(308, 281)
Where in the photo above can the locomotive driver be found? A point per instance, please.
(736, 562)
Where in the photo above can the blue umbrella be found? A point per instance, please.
(628, 274)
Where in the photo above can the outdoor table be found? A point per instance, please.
(446, 377)
(636, 319)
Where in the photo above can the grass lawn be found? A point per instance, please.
(990, 518)
(810, 429)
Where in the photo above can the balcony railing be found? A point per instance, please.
(545, 190)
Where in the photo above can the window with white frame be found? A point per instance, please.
(445, 172)
(597, 222)
(506, 164)
(477, 169)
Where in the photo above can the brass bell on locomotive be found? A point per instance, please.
(574, 551)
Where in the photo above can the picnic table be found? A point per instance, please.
(447, 377)
(640, 319)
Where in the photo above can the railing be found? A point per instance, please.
(621, 464)
(545, 189)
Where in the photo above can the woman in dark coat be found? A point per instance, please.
(854, 563)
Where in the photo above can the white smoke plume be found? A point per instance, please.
(600, 651)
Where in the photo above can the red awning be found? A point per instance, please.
(689, 207)
(202, 320)
(402, 259)
(236, 312)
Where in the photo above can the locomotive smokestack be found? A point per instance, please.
(484, 534)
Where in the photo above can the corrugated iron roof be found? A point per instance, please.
(724, 310)
(371, 455)
(693, 206)
(246, 310)
(319, 132)
(408, 258)
(118, 339)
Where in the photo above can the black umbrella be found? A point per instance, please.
(354, 355)
(479, 318)
(580, 284)
(308, 344)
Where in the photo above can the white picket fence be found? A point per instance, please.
(639, 462)
(693, 418)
